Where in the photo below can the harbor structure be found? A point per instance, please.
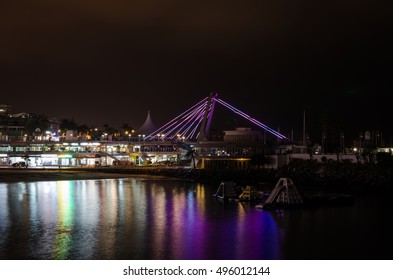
(185, 141)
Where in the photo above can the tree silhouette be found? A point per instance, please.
(191, 154)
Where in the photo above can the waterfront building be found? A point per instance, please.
(241, 148)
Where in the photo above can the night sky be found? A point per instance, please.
(109, 62)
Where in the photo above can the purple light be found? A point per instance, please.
(187, 123)
(244, 115)
(175, 120)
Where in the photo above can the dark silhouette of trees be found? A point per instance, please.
(191, 154)
(67, 124)
(38, 124)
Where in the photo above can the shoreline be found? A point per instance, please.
(34, 175)
(334, 177)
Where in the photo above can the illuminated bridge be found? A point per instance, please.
(184, 137)
(194, 123)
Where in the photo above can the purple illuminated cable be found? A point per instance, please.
(195, 128)
(194, 125)
(186, 124)
(153, 134)
(178, 124)
(190, 119)
(199, 121)
(174, 122)
(237, 111)
(258, 124)
(188, 113)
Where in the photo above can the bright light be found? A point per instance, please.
(65, 156)
(49, 156)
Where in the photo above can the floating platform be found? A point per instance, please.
(286, 195)
(227, 191)
(250, 193)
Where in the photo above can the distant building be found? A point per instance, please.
(12, 127)
(19, 126)
(242, 134)
(5, 109)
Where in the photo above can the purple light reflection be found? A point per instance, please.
(130, 219)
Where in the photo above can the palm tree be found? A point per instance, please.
(39, 123)
(67, 124)
(191, 154)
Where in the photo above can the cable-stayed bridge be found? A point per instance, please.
(194, 123)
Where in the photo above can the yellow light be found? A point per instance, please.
(65, 156)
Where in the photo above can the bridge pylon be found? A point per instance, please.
(207, 117)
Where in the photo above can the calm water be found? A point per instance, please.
(137, 218)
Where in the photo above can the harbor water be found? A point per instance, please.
(157, 219)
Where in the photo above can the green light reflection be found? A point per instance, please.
(65, 220)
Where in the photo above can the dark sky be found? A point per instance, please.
(108, 62)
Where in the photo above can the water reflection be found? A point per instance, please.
(130, 219)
